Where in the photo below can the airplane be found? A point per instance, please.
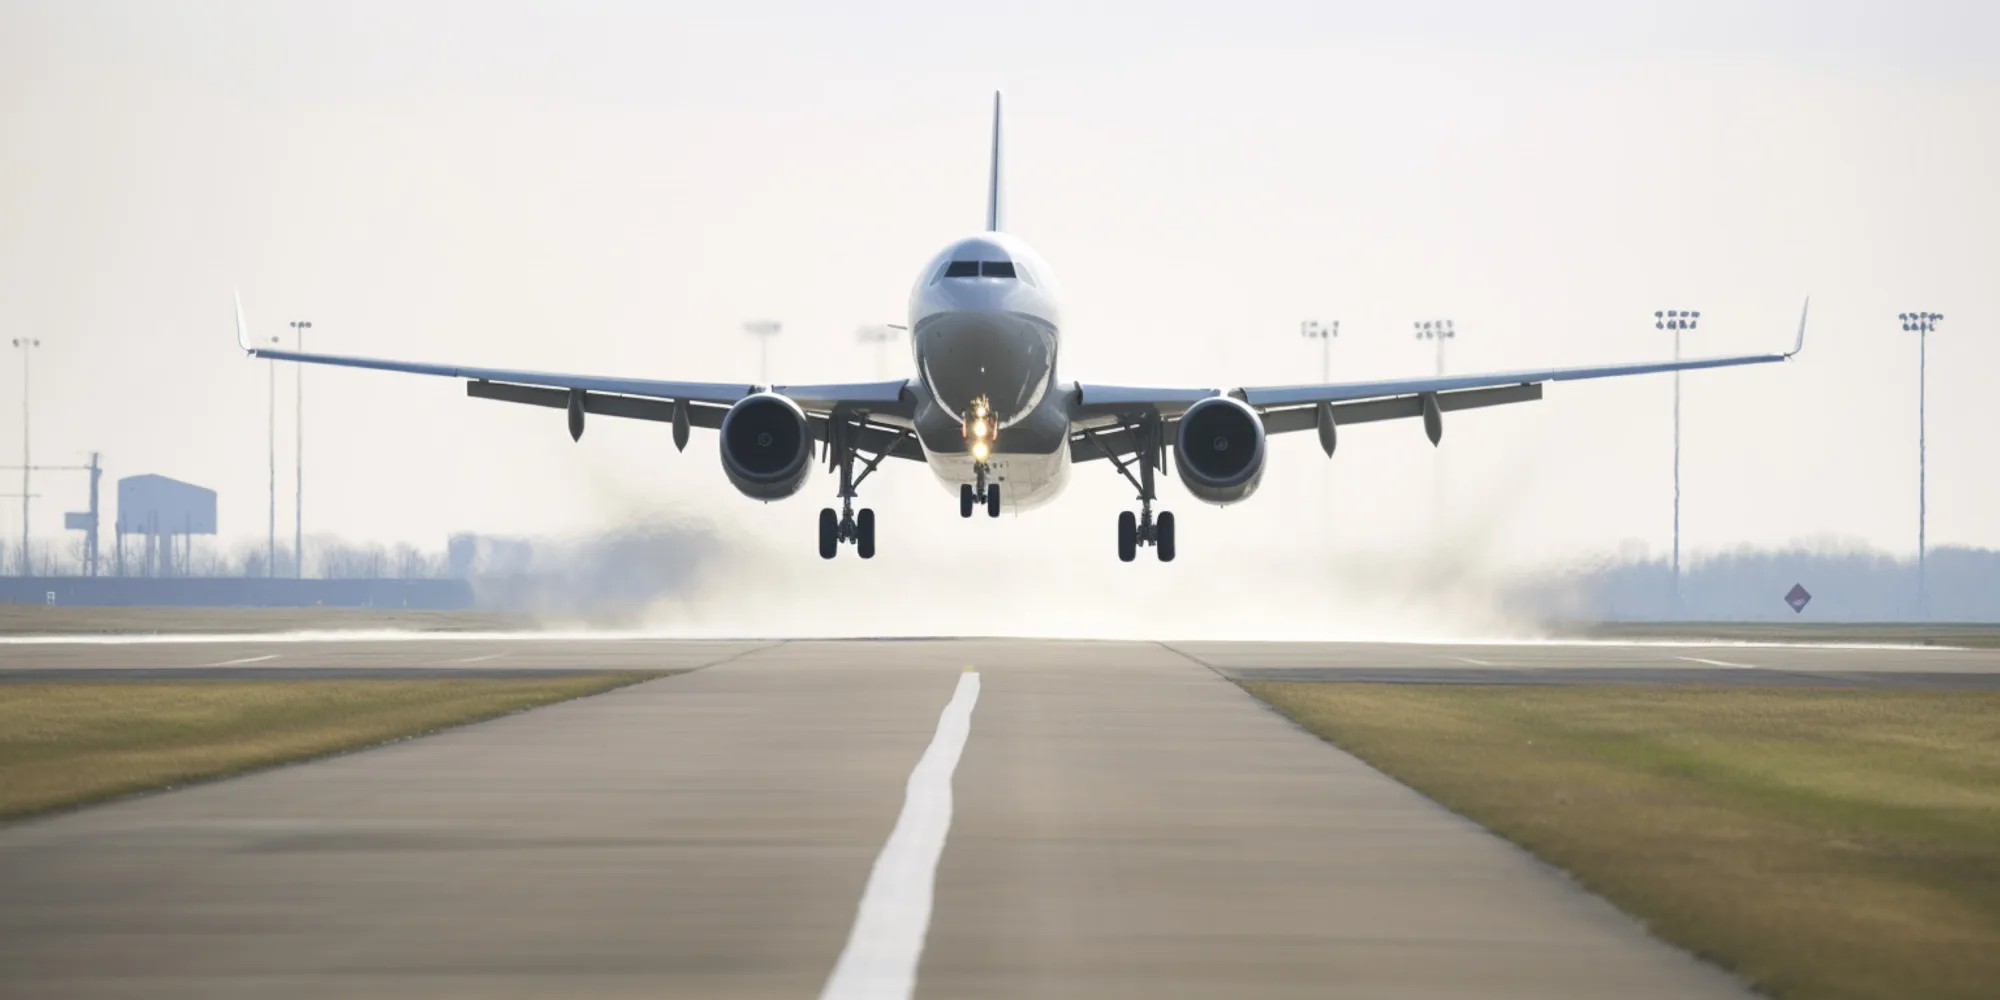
(987, 409)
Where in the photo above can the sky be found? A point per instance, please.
(615, 188)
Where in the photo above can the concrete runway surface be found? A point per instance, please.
(1115, 820)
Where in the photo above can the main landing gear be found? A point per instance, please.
(848, 526)
(1143, 528)
(843, 434)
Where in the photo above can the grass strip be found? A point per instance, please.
(1817, 842)
(67, 744)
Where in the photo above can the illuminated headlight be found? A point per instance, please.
(980, 429)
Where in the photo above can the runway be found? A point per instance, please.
(246, 657)
(1120, 821)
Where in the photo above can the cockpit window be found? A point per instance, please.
(984, 269)
(1021, 271)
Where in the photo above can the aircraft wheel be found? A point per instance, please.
(965, 499)
(864, 533)
(992, 499)
(1128, 536)
(1163, 536)
(829, 533)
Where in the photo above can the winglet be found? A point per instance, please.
(242, 329)
(993, 194)
(1800, 344)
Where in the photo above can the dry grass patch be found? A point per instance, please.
(65, 744)
(1819, 843)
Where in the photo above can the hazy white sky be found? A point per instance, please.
(614, 188)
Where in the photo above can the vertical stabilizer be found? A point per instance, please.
(993, 194)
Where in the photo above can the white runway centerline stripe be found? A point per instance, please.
(1717, 663)
(247, 659)
(880, 960)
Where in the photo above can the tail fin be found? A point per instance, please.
(993, 193)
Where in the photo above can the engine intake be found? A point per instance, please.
(1219, 450)
(766, 446)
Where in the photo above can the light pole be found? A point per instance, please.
(880, 336)
(1677, 320)
(271, 548)
(1439, 330)
(299, 328)
(27, 345)
(1325, 333)
(1920, 323)
(1312, 329)
(763, 330)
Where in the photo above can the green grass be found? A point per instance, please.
(67, 744)
(1818, 843)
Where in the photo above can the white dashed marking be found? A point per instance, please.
(1717, 663)
(247, 659)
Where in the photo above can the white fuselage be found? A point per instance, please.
(984, 326)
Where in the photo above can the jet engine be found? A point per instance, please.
(1219, 450)
(767, 446)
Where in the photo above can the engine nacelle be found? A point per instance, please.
(1219, 450)
(767, 446)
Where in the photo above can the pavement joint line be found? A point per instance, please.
(739, 654)
(1716, 663)
(1196, 660)
(879, 961)
(247, 659)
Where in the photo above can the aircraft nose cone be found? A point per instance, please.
(1006, 359)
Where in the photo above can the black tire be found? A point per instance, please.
(1163, 536)
(829, 533)
(1128, 536)
(992, 499)
(864, 533)
(965, 499)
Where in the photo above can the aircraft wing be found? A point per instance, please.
(697, 404)
(1107, 411)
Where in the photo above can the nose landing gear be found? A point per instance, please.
(1143, 528)
(980, 429)
(848, 524)
(971, 497)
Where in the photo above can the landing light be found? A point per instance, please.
(979, 451)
